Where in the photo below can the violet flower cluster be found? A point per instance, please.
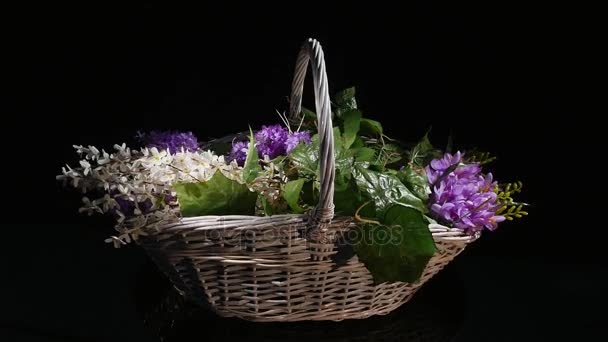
(464, 196)
(127, 208)
(271, 141)
(172, 141)
(239, 152)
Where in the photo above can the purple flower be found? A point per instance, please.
(447, 161)
(239, 152)
(438, 166)
(126, 205)
(145, 206)
(464, 197)
(271, 141)
(294, 139)
(172, 141)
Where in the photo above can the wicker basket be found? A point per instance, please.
(280, 268)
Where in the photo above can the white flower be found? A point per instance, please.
(94, 151)
(104, 159)
(156, 158)
(181, 159)
(123, 189)
(108, 203)
(86, 167)
(142, 175)
(120, 148)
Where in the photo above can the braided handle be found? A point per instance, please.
(311, 50)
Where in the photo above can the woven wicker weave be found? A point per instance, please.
(279, 268)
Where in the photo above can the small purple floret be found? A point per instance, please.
(239, 152)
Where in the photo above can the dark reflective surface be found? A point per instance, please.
(498, 77)
(432, 315)
(89, 292)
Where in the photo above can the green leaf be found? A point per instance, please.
(338, 140)
(291, 193)
(217, 196)
(345, 101)
(358, 143)
(370, 127)
(343, 157)
(387, 153)
(345, 96)
(352, 123)
(415, 180)
(364, 154)
(424, 145)
(251, 168)
(398, 250)
(309, 195)
(347, 196)
(305, 157)
(309, 114)
(386, 189)
(423, 152)
(266, 206)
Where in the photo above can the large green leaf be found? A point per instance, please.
(364, 154)
(345, 101)
(343, 157)
(386, 189)
(338, 140)
(217, 196)
(305, 157)
(352, 123)
(291, 193)
(371, 127)
(310, 195)
(398, 250)
(347, 196)
(266, 207)
(358, 143)
(251, 168)
(414, 178)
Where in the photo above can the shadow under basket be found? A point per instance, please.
(282, 268)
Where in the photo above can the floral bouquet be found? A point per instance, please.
(403, 202)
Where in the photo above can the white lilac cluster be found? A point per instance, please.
(136, 185)
(269, 184)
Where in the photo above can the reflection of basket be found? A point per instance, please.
(433, 316)
(279, 268)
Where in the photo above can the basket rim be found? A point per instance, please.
(248, 222)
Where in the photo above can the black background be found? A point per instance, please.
(500, 77)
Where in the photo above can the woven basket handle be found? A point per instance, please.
(311, 50)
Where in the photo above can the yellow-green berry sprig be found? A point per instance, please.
(511, 212)
(505, 192)
(480, 157)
